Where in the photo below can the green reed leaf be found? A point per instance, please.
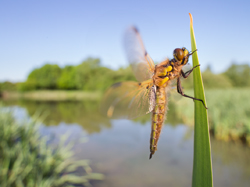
(202, 164)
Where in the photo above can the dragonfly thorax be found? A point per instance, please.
(170, 69)
(162, 73)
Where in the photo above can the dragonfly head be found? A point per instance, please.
(180, 53)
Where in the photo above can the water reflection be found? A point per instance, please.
(85, 113)
(120, 148)
(231, 160)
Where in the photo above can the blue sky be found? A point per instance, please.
(33, 33)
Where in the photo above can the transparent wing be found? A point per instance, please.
(129, 99)
(171, 91)
(187, 67)
(172, 94)
(140, 61)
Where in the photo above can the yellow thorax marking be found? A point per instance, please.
(163, 81)
(169, 68)
(165, 71)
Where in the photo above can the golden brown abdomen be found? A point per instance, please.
(158, 117)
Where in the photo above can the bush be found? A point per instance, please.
(239, 75)
(45, 77)
(26, 158)
(8, 86)
(67, 79)
(228, 113)
(87, 76)
(211, 80)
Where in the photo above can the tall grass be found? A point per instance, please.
(202, 164)
(229, 113)
(26, 158)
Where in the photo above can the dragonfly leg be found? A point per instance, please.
(186, 74)
(180, 91)
(192, 52)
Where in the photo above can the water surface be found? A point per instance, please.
(120, 148)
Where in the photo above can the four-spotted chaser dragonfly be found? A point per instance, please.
(131, 99)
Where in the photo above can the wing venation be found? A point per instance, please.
(128, 100)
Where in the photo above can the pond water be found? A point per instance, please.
(120, 148)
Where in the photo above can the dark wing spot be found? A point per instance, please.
(147, 86)
(146, 53)
(118, 84)
(135, 29)
(139, 84)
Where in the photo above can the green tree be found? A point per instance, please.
(45, 77)
(8, 86)
(86, 74)
(239, 75)
(91, 76)
(67, 79)
(211, 80)
(124, 74)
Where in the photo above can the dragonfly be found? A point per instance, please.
(132, 99)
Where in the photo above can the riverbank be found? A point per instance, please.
(29, 157)
(228, 109)
(228, 113)
(51, 95)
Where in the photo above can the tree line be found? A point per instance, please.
(90, 75)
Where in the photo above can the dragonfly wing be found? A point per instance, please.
(128, 100)
(187, 67)
(140, 61)
(171, 91)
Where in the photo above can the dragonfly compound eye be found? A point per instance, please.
(185, 51)
(178, 54)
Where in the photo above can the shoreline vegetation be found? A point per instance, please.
(27, 159)
(227, 92)
(51, 95)
(228, 109)
(90, 76)
(228, 113)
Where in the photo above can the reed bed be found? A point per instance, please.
(27, 159)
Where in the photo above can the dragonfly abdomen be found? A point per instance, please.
(158, 117)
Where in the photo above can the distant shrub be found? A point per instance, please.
(90, 75)
(67, 79)
(87, 76)
(45, 77)
(28, 85)
(228, 112)
(211, 80)
(26, 158)
(8, 86)
(239, 75)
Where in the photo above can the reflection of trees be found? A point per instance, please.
(171, 117)
(231, 154)
(84, 113)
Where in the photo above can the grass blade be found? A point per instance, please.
(202, 164)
